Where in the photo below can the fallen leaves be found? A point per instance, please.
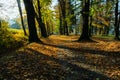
(62, 58)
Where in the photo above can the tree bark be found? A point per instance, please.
(116, 22)
(40, 22)
(21, 16)
(62, 4)
(91, 20)
(85, 30)
(33, 37)
(60, 20)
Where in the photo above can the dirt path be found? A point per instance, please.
(62, 58)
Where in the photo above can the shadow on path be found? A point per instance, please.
(73, 72)
(88, 50)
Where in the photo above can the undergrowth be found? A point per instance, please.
(11, 38)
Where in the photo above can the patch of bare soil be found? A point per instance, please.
(62, 58)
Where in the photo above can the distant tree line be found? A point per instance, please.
(95, 17)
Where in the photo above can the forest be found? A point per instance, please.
(60, 40)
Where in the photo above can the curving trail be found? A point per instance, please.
(63, 58)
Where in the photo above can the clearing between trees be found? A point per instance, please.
(63, 58)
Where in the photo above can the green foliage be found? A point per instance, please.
(101, 12)
(70, 20)
(92, 11)
(109, 37)
(5, 37)
(45, 2)
(10, 38)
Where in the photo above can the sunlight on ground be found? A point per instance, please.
(60, 54)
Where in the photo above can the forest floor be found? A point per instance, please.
(63, 58)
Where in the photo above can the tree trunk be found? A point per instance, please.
(21, 16)
(116, 22)
(85, 30)
(40, 22)
(62, 10)
(66, 29)
(60, 21)
(91, 20)
(62, 4)
(33, 37)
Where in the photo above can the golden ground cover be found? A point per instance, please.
(63, 58)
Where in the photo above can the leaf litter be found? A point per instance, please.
(62, 58)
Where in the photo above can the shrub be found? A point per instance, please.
(11, 38)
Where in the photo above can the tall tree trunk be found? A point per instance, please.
(91, 27)
(33, 37)
(76, 27)
(48, 28)
(62, 4)
(66, 28)
(64, 18)
(40, 22)
(21, 16)
(67, 13)
(116, 22)
(60, 21)
(85, 30)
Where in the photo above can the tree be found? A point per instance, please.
(40, 21)
(85, 14)
(102, 15)
(48, 20)
(31, 20)
(41, 7)
(61, 27)
(71, 13)
(116, 22)
(63, 22)
(91, 19)
(20, 11)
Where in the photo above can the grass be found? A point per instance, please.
(110, 37)
(12, 39)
